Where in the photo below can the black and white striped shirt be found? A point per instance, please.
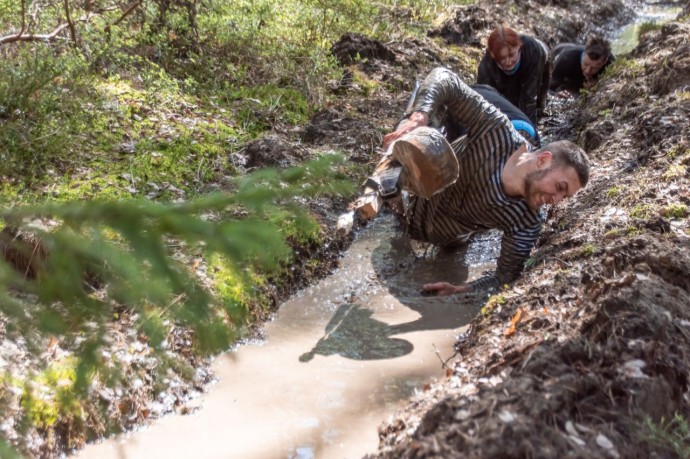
(476, 201)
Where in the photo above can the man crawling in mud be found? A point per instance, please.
(576, 67)
(496, 181)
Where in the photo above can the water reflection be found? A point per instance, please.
(354, 333)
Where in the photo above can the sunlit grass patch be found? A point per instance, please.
(625, 67)
(235, 292)
(613, 192)
(675, 211)
(642, 211)
(48, 397)
(298, 227)
(675, 171)
(260, 107)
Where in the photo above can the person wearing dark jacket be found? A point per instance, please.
(518, 67)
(576, 66)
(520, 121)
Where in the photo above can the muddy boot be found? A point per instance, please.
(421, 162)
(428, 160)
(382, 185)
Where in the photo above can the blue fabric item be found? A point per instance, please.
(520, 125)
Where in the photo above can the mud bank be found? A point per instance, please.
(587, 355)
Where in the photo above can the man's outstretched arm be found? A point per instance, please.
(515, 249)
(443, 88)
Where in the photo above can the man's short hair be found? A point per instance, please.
(566, 153)
(597, 47)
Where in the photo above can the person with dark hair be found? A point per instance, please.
(576, 66)
(496, 181)
(518, 67)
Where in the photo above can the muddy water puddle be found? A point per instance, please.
(656, 13)
(338, 359)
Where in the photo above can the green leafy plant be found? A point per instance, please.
(492, 303)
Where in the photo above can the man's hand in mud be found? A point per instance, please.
(564, 94)
(415, 120)
(445, 288)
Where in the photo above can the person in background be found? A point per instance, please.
(576, 67)
(520, 121)
(518, 67)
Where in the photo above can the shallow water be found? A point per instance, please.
(652, 12)
(337, 360)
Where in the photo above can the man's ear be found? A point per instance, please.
(544, 159)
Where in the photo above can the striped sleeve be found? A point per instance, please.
(515, 249)
(443, 88)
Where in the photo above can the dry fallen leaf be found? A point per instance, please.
(513, 322)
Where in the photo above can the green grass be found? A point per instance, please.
(642, 211)
(647, 27)
(672, 435)
(613, 192)
(675, 211)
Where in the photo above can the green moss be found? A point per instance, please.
(625, 66)
(237, 290)
(613, 233)
(632, 231)
(299, 228)
(613, 192)
(49, 396)
(368, 86)
(641, 211)
(675, 171)
(675, 211)
(588, 250)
